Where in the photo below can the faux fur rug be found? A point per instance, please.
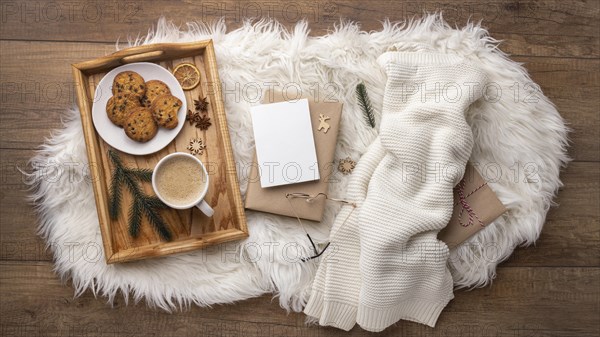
(520, 142)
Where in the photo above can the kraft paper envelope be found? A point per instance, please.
(272, 199)
(477, 208)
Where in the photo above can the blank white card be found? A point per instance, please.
(285, 146)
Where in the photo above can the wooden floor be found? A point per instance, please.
(551, 289)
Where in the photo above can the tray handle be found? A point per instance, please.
(144, 57)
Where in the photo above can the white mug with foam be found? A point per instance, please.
(198, 200)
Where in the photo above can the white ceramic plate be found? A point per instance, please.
(114, 135)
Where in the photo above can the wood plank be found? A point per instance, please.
(539, 25)
(530, 44)
(18, 219)
(570, 237)
(521, 302)
(574, 87)
(573, 228)
(34, 101)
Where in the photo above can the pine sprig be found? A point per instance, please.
(115, 194)
(365, 104)
(155, 202)
(135, 218)
(155, 219)
(144, 175)
(142, 204)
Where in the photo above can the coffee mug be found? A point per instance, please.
(175, 182)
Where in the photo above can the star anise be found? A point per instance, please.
(191, 117)
(203, 123)
(201, 104)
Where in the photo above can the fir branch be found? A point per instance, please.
(135, 218)
(144, 175)
(114, 157)
(141, 204)
(156, 221)
(115, 194)
(155, 202)
(132, 185)
(365, 104)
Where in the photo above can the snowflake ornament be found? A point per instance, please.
(196, 146)
(347, 165)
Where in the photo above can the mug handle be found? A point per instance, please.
(205, 208)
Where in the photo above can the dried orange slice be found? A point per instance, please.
(187, 75)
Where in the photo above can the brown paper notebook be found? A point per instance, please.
(475, 206)
(272, 199)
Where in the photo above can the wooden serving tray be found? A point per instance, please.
(229, 220)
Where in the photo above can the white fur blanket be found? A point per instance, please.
(520, 145)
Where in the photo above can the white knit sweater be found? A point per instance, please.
(385, 262)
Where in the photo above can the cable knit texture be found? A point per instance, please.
(385, 262)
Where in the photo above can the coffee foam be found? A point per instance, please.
(180, 180)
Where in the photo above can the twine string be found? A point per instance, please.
(465, 206)
(310, 198)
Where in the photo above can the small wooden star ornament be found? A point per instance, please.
(346, 166)
(196, 146)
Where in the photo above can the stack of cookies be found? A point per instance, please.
(140, 107)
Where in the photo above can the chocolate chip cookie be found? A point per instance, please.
(155, 88)
(140, 126)
(129, 82)
(164, 110)
(120, 106)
